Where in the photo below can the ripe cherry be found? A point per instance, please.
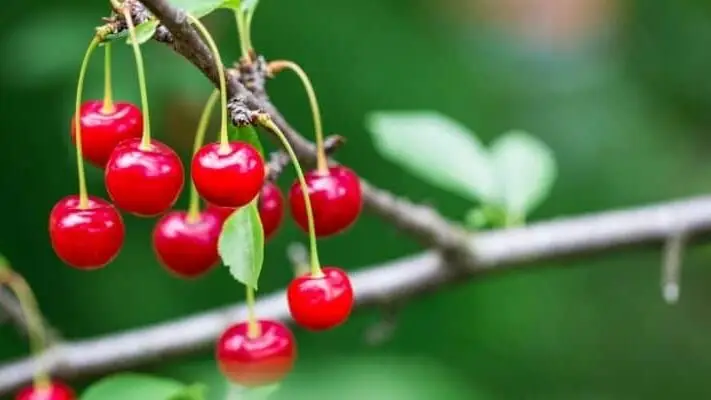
(87, 238)
(336, 200)
(271, 208)
(228, 176)
(102, 131)
(55, 391)
(145, 182)
(184, 247)
(222, 212)
(258, 361)
(321, 302)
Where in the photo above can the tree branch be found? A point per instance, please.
(497, 251)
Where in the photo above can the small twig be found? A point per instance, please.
(671, 267)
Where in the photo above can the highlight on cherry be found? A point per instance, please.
(235, 203)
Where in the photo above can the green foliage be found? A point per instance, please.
(140, 386)
(514, 176)
(246, 134)
(145, 31)
(241, 245)
(258, 393)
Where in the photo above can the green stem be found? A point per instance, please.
(242, 32)
(108, 106)
(146, 139)
(194, 208)
(248, 30)
(321, 160)
(83, 193)
(267, 122)
(30, 310)
(253, 329)
(224, 139)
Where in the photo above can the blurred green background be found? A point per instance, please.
(619, 89)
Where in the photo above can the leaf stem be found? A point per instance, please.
(146, 138)
(248, 30)
(35, 328)
(194, 207)
(253, 329)
(243, 35)
(224, 139)
(279, 65)
(108, 106)
(266, 121)
(83, 192)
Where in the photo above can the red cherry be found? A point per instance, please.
(230, 176)
(145, 182)
(187, 248)
(222, 212)
(55, 391)
(86, 238)
(336, 200)
(101, 132)
(321, 302)
(257, 361)
(271, 208)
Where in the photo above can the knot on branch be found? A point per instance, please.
(240, 113)
(253, 74)
(278, 160)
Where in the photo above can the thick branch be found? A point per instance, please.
(402, 278)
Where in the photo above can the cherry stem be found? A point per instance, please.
(266, 121)
(83, 193)
(224, 139)
(279, 65)
(146, 138)
(248, 30)
(194, 208)
(253, 329)
(35, 328)
(243, 35)
(108, 106)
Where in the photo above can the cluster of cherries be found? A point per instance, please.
(145, 177)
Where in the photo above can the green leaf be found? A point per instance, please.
(241, 244)
(525, 169)
(436, 149)
(193, 392)
(258, 393)
(144, 31)
(246, 134)
(232, 4)
(134, 386)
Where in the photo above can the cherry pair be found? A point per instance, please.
(56, 390)
(188, 246)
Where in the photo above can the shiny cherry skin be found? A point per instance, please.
(270, 206)
(253, 362)
(228, 177)
(102, 131)
(336, 200)
(187, 248)
(323, 302)
(55, 391)
(144, 182)
(87, 238)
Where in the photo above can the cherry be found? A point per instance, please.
(336, 200)
(257, 361)
(145, 182)
(55, 391)
(87, 238)
(102, 131)
(222, 212)
(321, 302)
(228, 176)
(187, 248)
